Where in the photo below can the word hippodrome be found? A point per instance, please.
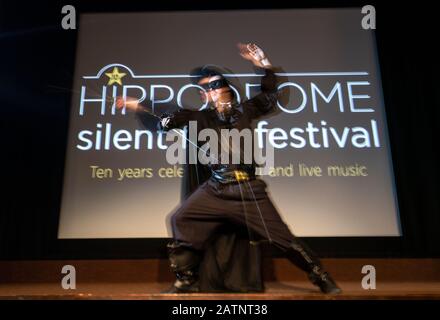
(344, 94)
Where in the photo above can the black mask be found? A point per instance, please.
(216, 84)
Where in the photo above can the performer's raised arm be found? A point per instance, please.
(265, 102)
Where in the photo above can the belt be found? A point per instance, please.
(241, 175)
(232, 176)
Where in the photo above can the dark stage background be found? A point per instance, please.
(37, 61)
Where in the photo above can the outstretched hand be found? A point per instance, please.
(129, 103)
(253, 53)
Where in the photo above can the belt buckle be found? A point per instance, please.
(241, 175)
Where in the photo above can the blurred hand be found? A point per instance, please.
(130, 103)
(164, 122)
(165, 119)
(253, 53)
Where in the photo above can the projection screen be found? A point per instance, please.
(333, 173)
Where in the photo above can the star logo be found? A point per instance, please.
(115, 76)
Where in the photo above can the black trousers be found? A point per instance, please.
(246, 204)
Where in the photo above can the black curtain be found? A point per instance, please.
(409, 61)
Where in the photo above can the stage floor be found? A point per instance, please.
(274, 291)
(147, 278)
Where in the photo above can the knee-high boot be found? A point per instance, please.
(184, 262)
(304, 258)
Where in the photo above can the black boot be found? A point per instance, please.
(184, 262)
(324, 281)
(304, 258)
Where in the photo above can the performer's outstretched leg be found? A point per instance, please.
(304, 258)
(263, 218)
